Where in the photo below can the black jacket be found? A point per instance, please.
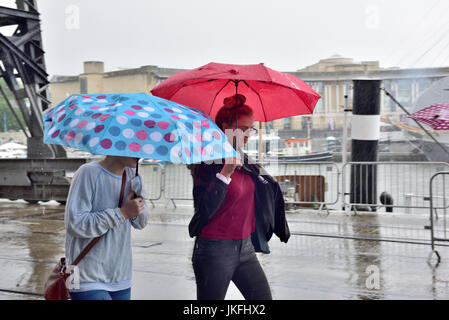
(209, 193)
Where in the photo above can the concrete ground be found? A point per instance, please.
(311, 265)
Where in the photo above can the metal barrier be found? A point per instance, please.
(438, 199)
(178, 182)
(153, 181)
(317, 184)
(405, 182)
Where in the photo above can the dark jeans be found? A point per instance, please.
(217, 262)
(102, 295)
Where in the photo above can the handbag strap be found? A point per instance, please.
(95, 240)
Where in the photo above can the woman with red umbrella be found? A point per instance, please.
(236, 213)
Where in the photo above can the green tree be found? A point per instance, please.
(11, 121)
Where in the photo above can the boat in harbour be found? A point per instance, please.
(285, 150)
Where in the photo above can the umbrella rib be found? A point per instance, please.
(216, 95)
(260, 99)
(307, 105)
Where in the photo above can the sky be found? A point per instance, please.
(286, 35)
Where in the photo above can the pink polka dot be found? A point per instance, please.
(82, 124)
(199, 137)
(96, 115)
(168, 110)
(104, 117)
(175, 117)
(130, 112)
(61, 109)
(55, 134)
(205, 124)
(187, 152)
(101, 97)
(149, 124)
(99, 128)
(170, 137)
(201, 150)
(70, 136)
(135, 147)
(216, 135)
(197, 124)
(142, 135)
(72, 106)
(96, 107)
(61, 118)
(163, 124)
(136, 107)
(86, 97)
(106, 143)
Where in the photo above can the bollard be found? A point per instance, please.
(365, 132)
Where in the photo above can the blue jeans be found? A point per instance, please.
(217, 262)
(102, 295)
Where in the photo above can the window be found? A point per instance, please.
(287, 123)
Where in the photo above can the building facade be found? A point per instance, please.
(331, 78)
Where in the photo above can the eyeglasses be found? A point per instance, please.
(252, 131)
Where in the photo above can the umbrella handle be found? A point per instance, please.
(137, 174)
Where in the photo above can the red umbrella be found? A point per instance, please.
(436, 116)
(271, 94)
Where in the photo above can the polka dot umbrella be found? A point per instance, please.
(436, 116)
(135, 125)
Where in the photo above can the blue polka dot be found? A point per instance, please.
(114, 131)
(67, 121)
(86, 139)
(162, 103)
(63, 133)
(162, 150)
(189, 125)
(156, 116)
(191, 116)
(142, 102)
(120, 145)
(136, 122)
(88, 113)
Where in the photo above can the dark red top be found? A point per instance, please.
(235, 219)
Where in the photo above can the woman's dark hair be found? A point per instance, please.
(233, 108)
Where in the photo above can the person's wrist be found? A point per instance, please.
(226, 174)
(124, 213)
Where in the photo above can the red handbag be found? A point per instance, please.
(55, 286)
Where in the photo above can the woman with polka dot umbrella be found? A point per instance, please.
(135, 125)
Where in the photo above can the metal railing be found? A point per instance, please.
(406, 184)
(178, 183)
(317, 184)
(438, 199)
(152, 175)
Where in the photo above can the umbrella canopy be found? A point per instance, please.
(436, 116)
(437, 93)
(271, 94)
(135, 125)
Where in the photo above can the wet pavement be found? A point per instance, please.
(324, 258)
